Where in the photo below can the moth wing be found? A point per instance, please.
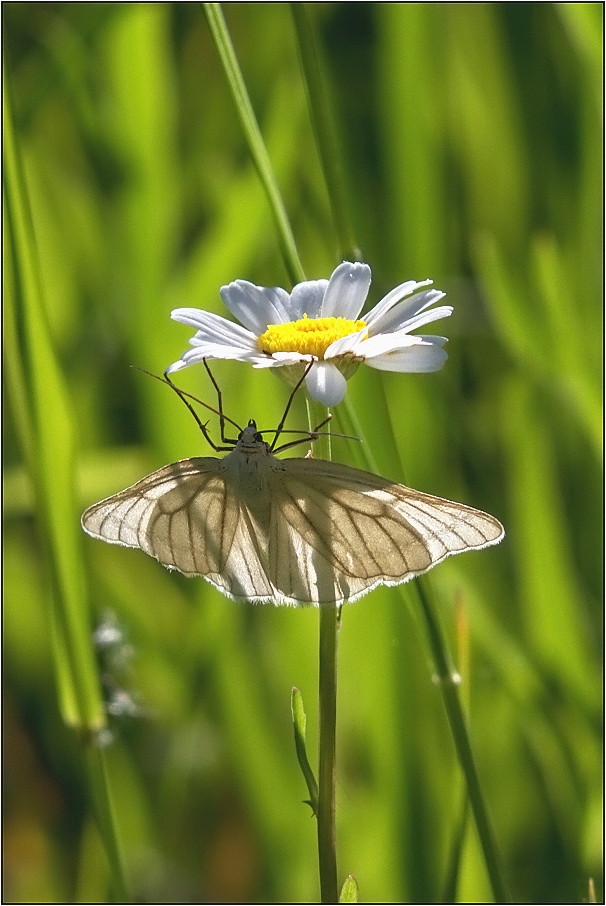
(338, 532)
(182, 515)
(312, 532)
(245, 575)
(188, 517)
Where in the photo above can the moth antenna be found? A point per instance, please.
(166, 380)
(202, 425)
(310, 436)
(182, 394)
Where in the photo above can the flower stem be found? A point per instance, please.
(256, 145)
(327, 843)
(330, 623)
(329, 616)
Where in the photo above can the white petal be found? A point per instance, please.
(256, 306)
(420, 358)
(437, 341)
(210, 351)
(306, 299)
(392, 298)
(346, 344)
(292, 357)
(201, 348)
(326, 384)
(176, 366)
(347, 291)
(385, 342)
(268, 361)
(214, 329)
(280, 358)
(412, 314)
(392, 342)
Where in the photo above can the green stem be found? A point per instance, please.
(330, 623)
(256, 145)
(106, 819)
(324, 129)
(458, 726)
(327, 842)
(450, 692)
(329, 617)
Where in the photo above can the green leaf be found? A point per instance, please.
(299, 724)
(349, 891)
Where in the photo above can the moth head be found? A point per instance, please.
(250, 435)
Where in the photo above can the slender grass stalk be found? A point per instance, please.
(330, 622)
(46, 433)
(16, 383)
(324, 129)
(256, 145)
(453, 868)
(452, 701)
(458, 726)
(105, 814)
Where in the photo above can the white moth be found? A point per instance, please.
(291, 531)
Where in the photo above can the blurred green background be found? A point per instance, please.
(472, 145)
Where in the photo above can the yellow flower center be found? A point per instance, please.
(308, 336)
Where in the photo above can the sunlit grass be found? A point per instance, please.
(472, 142)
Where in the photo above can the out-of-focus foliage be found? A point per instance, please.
(472, 142)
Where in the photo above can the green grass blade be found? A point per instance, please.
(54, 456)
(255, 141)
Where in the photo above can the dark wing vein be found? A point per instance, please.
(370, 530)
(155, 514)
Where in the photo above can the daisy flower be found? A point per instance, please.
(319, 321)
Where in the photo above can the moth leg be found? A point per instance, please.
(289, 404)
